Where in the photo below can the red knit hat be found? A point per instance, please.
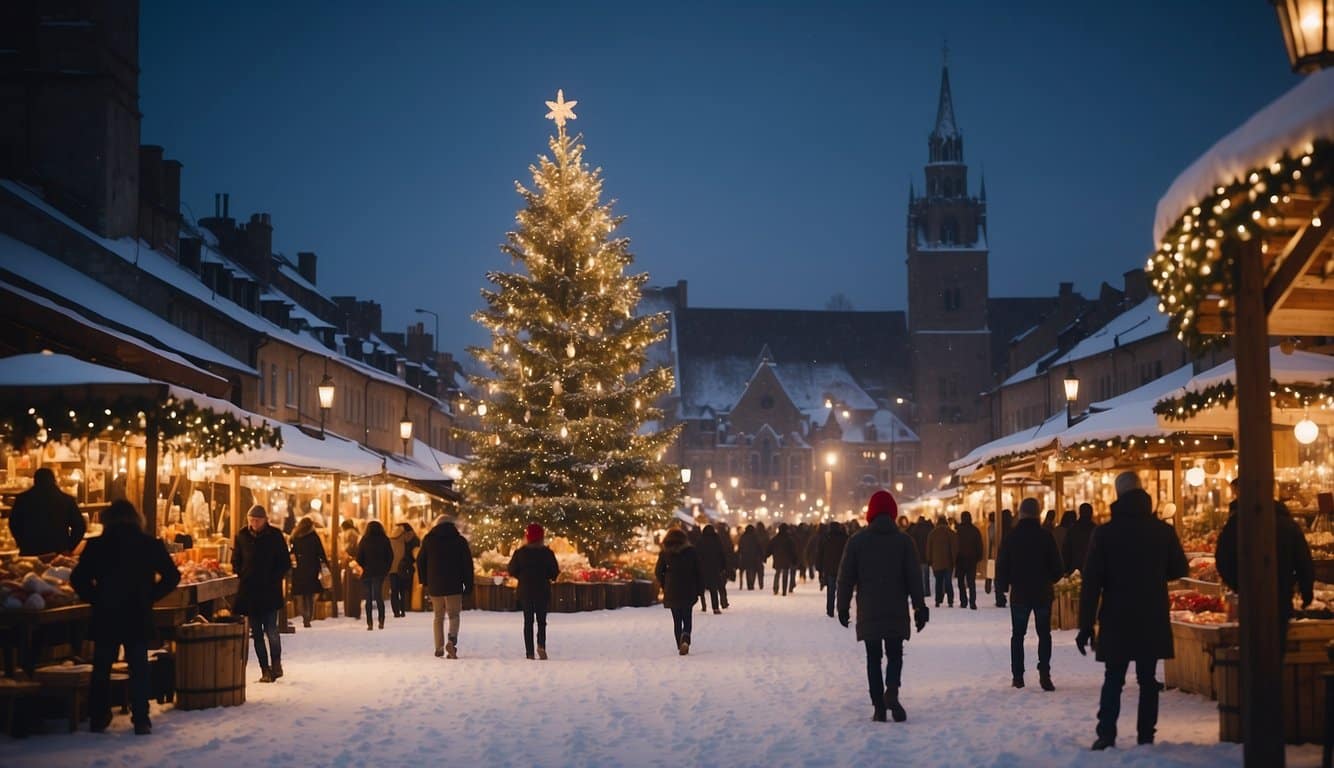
(881, 503)
(533, 532)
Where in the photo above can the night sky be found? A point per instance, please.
(761, 151)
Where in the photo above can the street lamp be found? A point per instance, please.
(685, 487)
(830, 459)
(1306, 33)
(326, 393)
(405, 428)
(1071, 383)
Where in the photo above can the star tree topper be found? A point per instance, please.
(561, 110)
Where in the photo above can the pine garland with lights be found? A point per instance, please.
(183, 424)
(568, 431)
(1190, 265)
(1220, 395)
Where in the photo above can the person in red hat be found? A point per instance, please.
(534, 565)
(880, 564)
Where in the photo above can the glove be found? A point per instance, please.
(1082, 640)
(844, 618)
(921, 616)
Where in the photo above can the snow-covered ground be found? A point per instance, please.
(771, 682)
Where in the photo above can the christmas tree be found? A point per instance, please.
(569, 433)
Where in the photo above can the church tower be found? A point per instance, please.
(947, 299)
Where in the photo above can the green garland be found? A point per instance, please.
(1190, 264)
(1139, 442)
(182, 423)
(1222, 394)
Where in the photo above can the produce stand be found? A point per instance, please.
(27, 632)
(1303, 693)
(1191, 670)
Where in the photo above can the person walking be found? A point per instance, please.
(967, 554)
(260, 559)
(712, 565)
(1130, 560)
(375, 555)
(310, 558)
(534, 565)
(404, 542)
(750, 555)
(680, 573)
(940, 555)
(729, 560)
(1292, 560)
(45, 519)
(880, 565)
(783, 550)
(920, 531)
(828, 556)
(1062, 532)
(445, 569)
(121, 574)
(1075, 548)
(1027, 567)
(1003, 528)
(349, 541)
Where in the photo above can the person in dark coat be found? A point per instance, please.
(750, 556)
(1296, 572)
(1003, 529)
(1027, 567)
(681, 575)
(967, 554)
(310, 556)
(941, 547)
(1075, 548)
(712, 564)
(828, 556)
(404, 542)
(260, 560)
(1068, 519)
(375, 555)
(800, 539)
(121, 574)
(445, 568)
(783, 550)
(880, 565)
(1130, 560)
(46, 519)
(920, 531)
(729, 557)
(534, 565)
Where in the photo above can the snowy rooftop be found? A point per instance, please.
(718, 384)
(1023, 441)
(1140, 322)
(1288, 124)
(43, 370)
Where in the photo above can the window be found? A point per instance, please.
(902, 464)
(289, 392)
(273, 385)
(949, 229)
(951, 298)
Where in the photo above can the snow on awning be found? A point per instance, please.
(1288, 124)
(1024, 441)
(1128, 415)
(1295, 368)
(43, 370)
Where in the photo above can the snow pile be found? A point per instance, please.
(771, 682)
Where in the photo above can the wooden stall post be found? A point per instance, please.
(1261, 662)
(1000, 504)
(335, 502)
(1177, 497)
(234, 499)
(1058, 482)
(150, 478)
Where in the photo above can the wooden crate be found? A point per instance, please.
(210, 665)
(618, 594)
(1191, 668)
(643, 592)
(1303, 696)
(590, 597)
(495, 597)
(1065, 611)
(564, 598)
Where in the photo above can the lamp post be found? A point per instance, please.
(1071, 383)
(830, 459)
(405, 428)
(326, 393)
(1306, 33)
(685, 488)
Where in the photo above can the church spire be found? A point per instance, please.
(946, 141)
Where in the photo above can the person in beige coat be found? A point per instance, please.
(941, 548)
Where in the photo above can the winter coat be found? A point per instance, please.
(750, 552)
(830, 553)
(404, 542)
(259, 561)
(444, 564)
(1075, 548)
(880, 564)
(1130, 560)
(1062, 532)
(729, 551)
(309, 552)
(349, 542)
(375, 554)
(801, 537)
(940, 548)
(967, 548)
(1028, 564)
(46, 519)
(1292, 556)
(122, 573)
(920, 531)
(783, 550)
(534, 565)
(712, 560)
(678, 571)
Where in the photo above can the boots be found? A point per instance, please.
(542, 652)
(895, 708)
(1044, 680)
(452, 648)
(879, 715)
(266, 675)
(684, 646)
(277, 670)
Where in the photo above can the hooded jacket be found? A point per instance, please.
(880, 565)
(309, 552)
(968, 545)
(678, 571)
(374, 553)
(535, 566)
(444, 565)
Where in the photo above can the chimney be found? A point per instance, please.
(305, 265)
(1137, 286)
(259, 245)
(188, 253)
(217, 205)
(1067, 289)
(226, 204)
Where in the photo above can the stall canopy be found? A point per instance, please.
(1285, 369)
(1024, 442)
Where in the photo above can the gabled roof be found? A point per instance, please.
(1139, 322)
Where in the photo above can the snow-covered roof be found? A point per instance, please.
(1023, 441)
(1127, 415)
(888, 427)
(290, 271)
(1289, 124)
(1139, 322)
(95, 301)
(1295, 368)
(48, 370)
